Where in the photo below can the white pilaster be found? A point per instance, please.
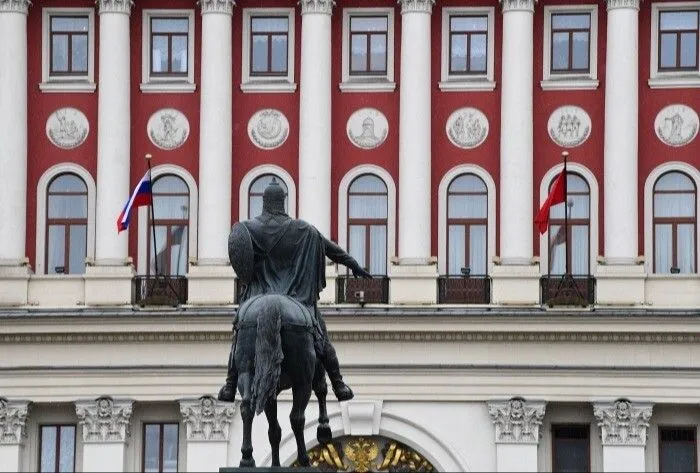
(14, 273)
(211, 280)
(207, 421)
(105, 427)
(13, 417)
(517, 426)
(624, 433)
(315, 114)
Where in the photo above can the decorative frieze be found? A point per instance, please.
(217, 6)
(613, 4)
(15, 6)
(207, 419)
(104, 420)
(517, 420)
(518, 5)
(622, 422)
(13, 417)
(317, 6)
(420, 6)
(114, 6)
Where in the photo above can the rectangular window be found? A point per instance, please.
(570, 42)
(168, 55)
(269, 43)
(69, 45)
(160, 447)
(677, 449)
(169, 46)
(368, 45)
(678, 40)
(57, 448)
(468, 44)
(571, 448)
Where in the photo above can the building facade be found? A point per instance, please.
(423, 137)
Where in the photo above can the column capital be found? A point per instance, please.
(416, 6)
(217, 6)
(615, 4)
(104, 419)
(518, 5)
(114, 6)
(317, 6)
(15, 6)
(517, 421)
(13, 417)
(622, 422)
(207, 419)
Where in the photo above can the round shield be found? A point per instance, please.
(240, 252)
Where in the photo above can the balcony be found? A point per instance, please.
(160, 290)
(362, 291)
(567, 290)
(464, 290)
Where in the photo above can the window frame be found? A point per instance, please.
(161, 425)
(461, 82)
(258, 171)
(571, 79)
(166, 83)
(660, 78)
(467, 223)
(67, 82)
(553, 439)
(65, 223)
(368, 43)
(170, 35)
(368, 82)
(59, 427)
(280, 83)
(368, 223)
(570, 32)
(662, 427)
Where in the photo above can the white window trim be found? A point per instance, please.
(572, 81)
(268, 84)
(592, 182)
(255, 173)
(41, 210)
(669, 80)
(442, 213)
(143, 215)
(657, 172)
(166, 84)
(343, 189)
(50, 414)
(78, 84)
(457, 83)
(368, 83)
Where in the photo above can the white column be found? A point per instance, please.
(516, 216)
(315, 114)
(105, 426)
(624, 434)
(13, 418)
(207, 421)
(13, 151)
(621, 129)
(517, 426)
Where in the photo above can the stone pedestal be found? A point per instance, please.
(109, 285)
(517, 426)
(620, 284)
(328, 295)
(624, 434)
(105, 427)
(13, 417)
(14, 284)
(413, 281)
(515, 284)
(207, 421)
(211, 285)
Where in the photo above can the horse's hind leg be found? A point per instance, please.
(301, 394)
(323, 432)
(247, 414)
(274, 431)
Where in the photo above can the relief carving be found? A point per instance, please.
(268, 128)
(517, 420)
(168, 129)
(104, 420)
(569, 126)
(67, 128)
(676, 125)
(467, 128)
(623, 422)
(367, 128)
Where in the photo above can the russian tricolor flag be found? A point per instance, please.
(142, 195)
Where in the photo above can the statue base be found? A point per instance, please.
(268, 469)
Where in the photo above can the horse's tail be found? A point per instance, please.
(268, 357)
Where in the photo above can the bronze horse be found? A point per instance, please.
(275, 351)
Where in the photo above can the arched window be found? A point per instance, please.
(674, 223)
(367, 222)
(467, 226)
(255, 193)
(66, 225)
(171, 208)
(578, 208)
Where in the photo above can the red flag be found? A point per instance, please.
(556, 196)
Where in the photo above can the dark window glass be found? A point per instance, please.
(467, 226)
(674, 224)
(160, 447)
(368, 45)
(367, 223)
(571, 448)
(57, 448)
(577, 206)
(468, 44)
(169, 46)
(571, 35)
(68, 43)
(66, 225)
(269, 38)
(255, 193)
(677, 449)
(678, 40)
(171, 204)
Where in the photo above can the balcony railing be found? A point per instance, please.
(464, 290)
(567, 290)
(160, 290)
(363, 291)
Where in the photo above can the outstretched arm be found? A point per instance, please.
(338, 255)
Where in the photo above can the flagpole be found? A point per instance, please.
(153, 218)
(565, 155)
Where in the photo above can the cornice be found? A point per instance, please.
(317, 6)
(13, 418)
(416, 6)
(517, 421)
(217, 6)
(615, 4)
(518, 5)
(114, 6)
(207, 419)
(623, 423)
(15, 6)
(104, 420)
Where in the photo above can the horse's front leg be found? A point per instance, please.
(274, 431)
(247, 415)
(323, 432)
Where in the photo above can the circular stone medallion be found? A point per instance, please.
(168, 128)
(569, 126)
(676, 125)
(67, 128)
(367, 128)
(268, 128)
(467, 127)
